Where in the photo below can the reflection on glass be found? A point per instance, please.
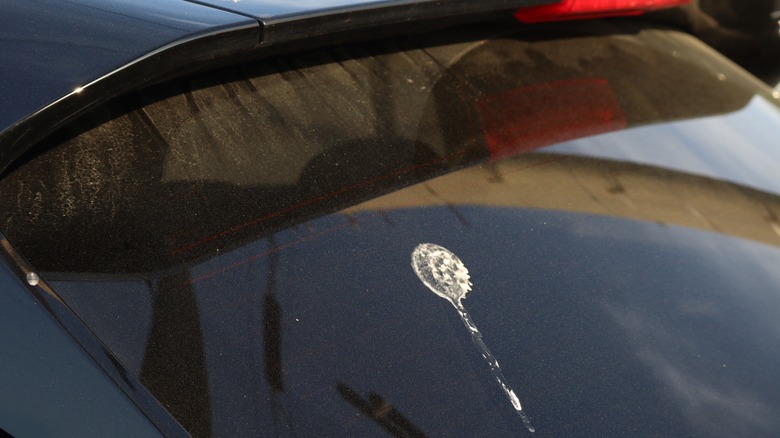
(380, 411)
(272, 349)
(192, 223)
(446, 276)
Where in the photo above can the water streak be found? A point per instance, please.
(495, 368)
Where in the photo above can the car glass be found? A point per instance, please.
(242, 239)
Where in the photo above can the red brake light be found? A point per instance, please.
(577, 9)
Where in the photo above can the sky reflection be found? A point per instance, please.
(739, 147)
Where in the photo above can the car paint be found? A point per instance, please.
(287, 21)
(53, 384)
(60, 58)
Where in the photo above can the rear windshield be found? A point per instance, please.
(242, 240)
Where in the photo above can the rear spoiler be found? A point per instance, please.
(303, 20)
(61, 59)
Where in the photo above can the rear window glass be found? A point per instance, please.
(242, 241)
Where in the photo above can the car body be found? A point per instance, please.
(211, 210)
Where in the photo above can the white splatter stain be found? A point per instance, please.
(442, 271)
(446, 276)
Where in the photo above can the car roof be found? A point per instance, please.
(62, 58)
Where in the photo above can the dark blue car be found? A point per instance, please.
(405, 218)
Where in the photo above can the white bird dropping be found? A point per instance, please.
(446, 276)
(442, 271)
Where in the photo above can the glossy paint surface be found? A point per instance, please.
(285, 21)
(48, 48)
(249, 260)
(271, 11)
(52, 51)
(49, 385)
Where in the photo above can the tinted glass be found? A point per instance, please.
(242, 240)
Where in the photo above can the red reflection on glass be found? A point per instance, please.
(528, 118)
(578, 9)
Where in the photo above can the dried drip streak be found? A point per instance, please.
(447, 276)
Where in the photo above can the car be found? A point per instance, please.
(358, 218)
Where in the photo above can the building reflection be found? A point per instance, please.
(379, 410)
(597, 186)
(175, 358)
